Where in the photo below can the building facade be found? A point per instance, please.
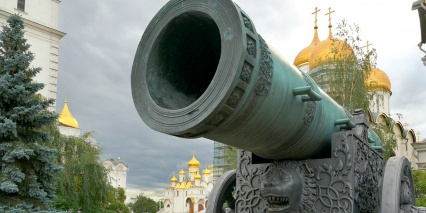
(190, 191)
(117, 172)
(41, 31)
(312, 60)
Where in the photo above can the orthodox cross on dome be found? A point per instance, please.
(367, 46)
(315, 12)
(329, 16)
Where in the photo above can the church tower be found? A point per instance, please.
(302, 59)
(41, 31)
(67, 124)
(379, 87)
(376, 82)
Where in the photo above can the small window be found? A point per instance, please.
(21, 5)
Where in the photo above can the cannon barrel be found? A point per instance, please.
(202, 70)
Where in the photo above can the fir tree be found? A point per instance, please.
(27, 172)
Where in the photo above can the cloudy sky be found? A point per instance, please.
(97, 53)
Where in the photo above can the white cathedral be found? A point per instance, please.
(190, 192)
(310, 59)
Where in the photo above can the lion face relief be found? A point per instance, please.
(282, 186)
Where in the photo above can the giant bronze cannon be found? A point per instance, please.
(202, 70)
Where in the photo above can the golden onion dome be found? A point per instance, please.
(173, 180)
(65, 118)
(182, 172)
(197, 177)
(304, 55)
(325, 51)
(193, 162)
(378, 80)
(206, 172)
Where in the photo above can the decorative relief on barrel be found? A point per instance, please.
(218, 119)
(309, 112)
(235, 97)
(247, 23)
(266, 67)
(246, 72)
(251, 46)
(310, 106)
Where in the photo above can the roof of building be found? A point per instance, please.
(193, 162)
(330, 50)
(65, 117)
(174, 179)
(115, 161)
(304, 55)
(378, 80)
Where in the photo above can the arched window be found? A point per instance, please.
(200, 207)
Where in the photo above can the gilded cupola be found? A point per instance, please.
(330, 50)
(378, 80)
(65, 118)
(304, 55)
(174, 179)
(193, 162)
(206, 172)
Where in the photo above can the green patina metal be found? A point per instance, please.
(202, 70)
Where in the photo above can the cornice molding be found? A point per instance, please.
(35, 25)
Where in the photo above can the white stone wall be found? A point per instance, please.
(117, 174)
(69, 131)
(379, 102)
(41, 30)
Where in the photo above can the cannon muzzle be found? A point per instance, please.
(202, 70)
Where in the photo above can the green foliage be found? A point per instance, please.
(144, 205)
(419, 178)
(27, 172)
(116, 195)
(121, 195)
(343, 74)
(230, 158)
(83, 184)
(387, 136)
(118, 207)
